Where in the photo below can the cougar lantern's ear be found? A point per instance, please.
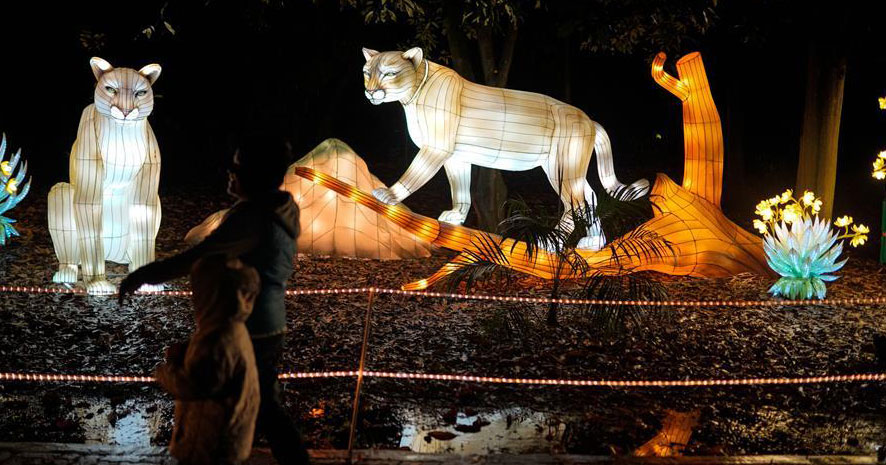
(369, 53)
(415, 55)
(99, 67)
(151, 72)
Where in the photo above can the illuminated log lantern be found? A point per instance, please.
(704, 243)
(332, 225)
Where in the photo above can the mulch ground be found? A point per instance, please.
(66, 333)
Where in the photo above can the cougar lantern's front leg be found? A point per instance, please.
(459, 175)
(425, 165)
(144, 210)
(87, 177)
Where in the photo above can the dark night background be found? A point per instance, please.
(297, 68)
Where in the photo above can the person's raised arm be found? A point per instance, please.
(236, 236)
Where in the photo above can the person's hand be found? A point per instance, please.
(129, 285)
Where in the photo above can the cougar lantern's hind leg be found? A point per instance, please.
(63, 231)
(567, 171)
(459, 175)
(594, 239)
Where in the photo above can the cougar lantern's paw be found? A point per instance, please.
(65, 274)
(456, 216)
(384, 195)
(100, 287)
(591, 243)
(637, 189)
(151, 288)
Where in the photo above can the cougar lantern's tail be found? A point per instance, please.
(606, 169)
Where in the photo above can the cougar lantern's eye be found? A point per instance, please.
(141, 93)
(110, 90)
(390, 73)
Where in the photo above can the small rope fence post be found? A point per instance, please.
(363, 350)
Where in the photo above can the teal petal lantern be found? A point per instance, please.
(12, 191)
(804, 253)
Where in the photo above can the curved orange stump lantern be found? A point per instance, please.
(704, 243)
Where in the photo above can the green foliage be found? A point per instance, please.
(611, 318)
(618, 217)
(542, 230)
(488, 263)
(427, 18)
(636, 26)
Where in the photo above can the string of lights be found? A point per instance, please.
(290, 376)
(497, 298)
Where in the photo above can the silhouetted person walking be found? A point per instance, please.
(260, 229)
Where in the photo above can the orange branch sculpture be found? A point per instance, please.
(704, 243)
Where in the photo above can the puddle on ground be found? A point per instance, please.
(516, 430)
(92, 419)
(141, 419)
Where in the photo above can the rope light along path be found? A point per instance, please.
(497, 298)
(618, 384)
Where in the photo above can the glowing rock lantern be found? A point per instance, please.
(457, 123)
(333, 225)
(13, 191)
(110, 209)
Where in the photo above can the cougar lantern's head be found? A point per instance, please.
(391, 76)
(123, 93)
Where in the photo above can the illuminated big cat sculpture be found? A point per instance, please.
(457, 123)
(110, 209)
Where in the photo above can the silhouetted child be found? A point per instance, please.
(213, 377)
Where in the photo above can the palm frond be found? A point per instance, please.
(618, 217)
(611, 318)
(479, 263)
(639, 242)
(535, 229)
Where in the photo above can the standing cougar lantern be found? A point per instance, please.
(457, 123)
(110, 209)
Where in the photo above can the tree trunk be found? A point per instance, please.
(458, 42)
(817, 167)
(734, 128)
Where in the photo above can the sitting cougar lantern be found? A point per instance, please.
(110, 209)
(457, 123)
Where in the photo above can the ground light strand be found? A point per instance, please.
(499, 298)
(289, 376)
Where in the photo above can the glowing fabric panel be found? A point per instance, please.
(339, 226)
